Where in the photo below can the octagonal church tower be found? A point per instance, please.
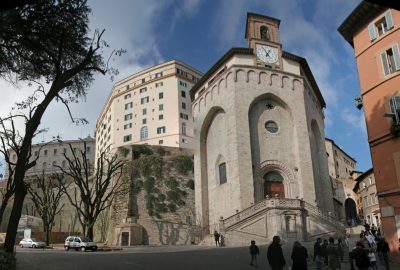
(259, 125)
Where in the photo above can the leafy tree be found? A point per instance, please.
(47, 201)
(91, 190)
(46, 43)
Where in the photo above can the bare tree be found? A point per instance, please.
(46, 42)
(47, 201)
(91, 190)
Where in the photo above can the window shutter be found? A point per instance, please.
(396, 57)
(372, 31)
(389, 20)
(385, 63)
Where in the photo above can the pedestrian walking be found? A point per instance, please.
(254, 252)
(216, 237)
(299, 256)
(318, 254)
(275, 254)
(333, 253)
(372, 259)
(324, 247)
(385, 253)
(360, 256)
(341, 249)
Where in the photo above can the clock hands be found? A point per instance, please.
(267, 52)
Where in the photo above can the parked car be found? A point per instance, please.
(32, 243)
(79, 243)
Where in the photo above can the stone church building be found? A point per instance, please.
(260, 157)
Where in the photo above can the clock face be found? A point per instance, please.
(266, 54)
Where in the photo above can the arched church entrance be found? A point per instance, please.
(273, 185)
(350, 209)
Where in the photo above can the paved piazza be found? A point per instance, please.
(144, 258)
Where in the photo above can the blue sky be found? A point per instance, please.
(199, 32)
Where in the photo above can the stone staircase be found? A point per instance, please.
(291, 219)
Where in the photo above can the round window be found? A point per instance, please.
(271, 126)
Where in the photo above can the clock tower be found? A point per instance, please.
(262, 34)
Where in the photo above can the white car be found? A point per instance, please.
(32, 243)
(79, 243)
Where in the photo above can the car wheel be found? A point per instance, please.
(66, 248)
(94, 248)
(33, 246)
(83, 249)
(22, 246)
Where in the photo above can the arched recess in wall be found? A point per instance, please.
(350, 210)
(318, 154)
(210, 123)
(272, 131)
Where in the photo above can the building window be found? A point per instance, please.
(183, 105)
(127, 138)
(159, 84)
(160, 130)
(222, 173)
(160, 141)
(144, 111)
(144, 100)
(127, 87)
(127, 126)
(45, 152)
(271, 126)
(160, 117)
(143, 133)
(181, 83)
(63, 163)
(144, 121)
(128, 105)
(127, 96)
(159, 75)
(390, 60)
(128, 117)
(143, 80)
(184, 128)
(183, 94)
(65, 150)
(184, 116)
(88, 149)
(44, 166)
(161, 107)
(161, 95)
(54, 151)
(381, 26)
(143, 90)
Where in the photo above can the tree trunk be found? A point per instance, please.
(90, 232)
(3, 206)
(19, 196)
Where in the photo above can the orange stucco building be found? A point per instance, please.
(374, 33)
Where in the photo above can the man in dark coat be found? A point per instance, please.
(299, 256)
(318, 254)
(360, 256)
(275, 254)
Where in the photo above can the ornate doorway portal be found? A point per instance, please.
(273, 185)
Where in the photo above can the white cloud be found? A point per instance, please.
(130, 26)
(354, 119)
(227, 26)
(187, 8)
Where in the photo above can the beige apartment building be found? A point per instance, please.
(150, 107)
(341, 170)
(367, 196)
(51, 154)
